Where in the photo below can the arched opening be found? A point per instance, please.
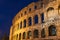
(17, 37)
(35, 7)
(29, 34)
(42, 18)
(24, 35)
(50, 9)
(29, 21)
(24, 23)
(36, 34)
(20, 25)
(30, 9)
(52, 30)
(35, 19)
(59, 9)
(20, 36)
(43, 33)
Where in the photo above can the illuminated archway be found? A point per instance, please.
(52, 30)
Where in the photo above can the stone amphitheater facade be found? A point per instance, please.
(37, 21)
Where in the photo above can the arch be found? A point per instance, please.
(30, 9)
(59, 7)
(35, 33)
(35, 19)
(43, 33)
(20, 36)
(52, 30)
(29, 21)
(17, 37)
(24, 35)
(50, 8)
(20, 25)
(29, 34)
(24, 23)
(25, 12)
(35, 7)
(42, 17)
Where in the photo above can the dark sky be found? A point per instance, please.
(8, 9)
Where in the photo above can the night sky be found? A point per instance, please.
(8, 9)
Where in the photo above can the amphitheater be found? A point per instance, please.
(37, 21)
